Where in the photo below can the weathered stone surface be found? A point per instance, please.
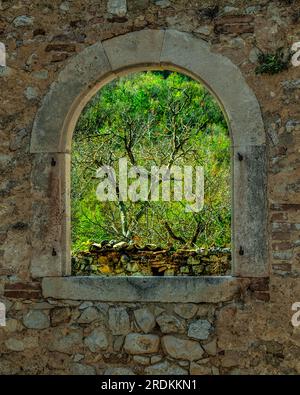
(193, 54)
(170, 324)
(182, 349)
(141, 344)
(89, 315)
(141, 360)
(131, 289)
(80, 369)
(162, 3)
(36, 319)
(117, 7)
(200, 329)
(61, 96)
(97, 340)
(23, 21)
(145, 319)
(141, 47)
(119, 323)
(187, 310)
(165, 368)
(211, 347)
(14, 344)
(251, 174)
(197, 369)
(65, 341)
(60, 315)
(119, 371)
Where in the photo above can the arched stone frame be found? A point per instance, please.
(82, 77)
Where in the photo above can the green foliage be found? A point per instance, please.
(273, 63)
(152, 118)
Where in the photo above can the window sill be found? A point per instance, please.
(206, 289)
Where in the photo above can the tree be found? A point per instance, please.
(152, 119)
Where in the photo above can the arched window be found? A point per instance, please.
(151, 191)
(51, 141)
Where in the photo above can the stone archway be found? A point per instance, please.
(79, 81)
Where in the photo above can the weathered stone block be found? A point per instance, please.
(200, 329)
(118, 320)
(182, 349)
(141, 344)
(97, 340)
(165, 368)
(151, 289)
(36, 319)
(145, 319)
(170, 324)
(138, 48)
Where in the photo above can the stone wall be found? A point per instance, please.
(123, 259)
(248, 332)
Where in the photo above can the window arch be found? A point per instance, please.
(100, 63)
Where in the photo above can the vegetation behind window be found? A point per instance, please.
(151, 118)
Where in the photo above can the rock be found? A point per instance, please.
(88, 315)
(141, 359)
(124, 258)
(65, 342)
(31, 93)
(121, 245)
(118, 343)
(182, 349)
(97, 340)
(5, 71)
(102, 307)
(229, 9)
(65, 6)
(141, 344)
(78, 357)
(83, 370)
(165, 368)
(162, 3)
(132, 267)
(199, 369)
(211, 347)
(17, 139)
(119, 371)
(23, 20)
(145, 319)
(118, 320)
(200, 329)
(158, 310)
(187, 310)
(36, 319)
(205, 30)
(253, 55)
(170, 324)
(155, 359)
(85, 305)
(14, 344)
(193, 261)
(204, 310)
(117, 7)
(59, 315)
